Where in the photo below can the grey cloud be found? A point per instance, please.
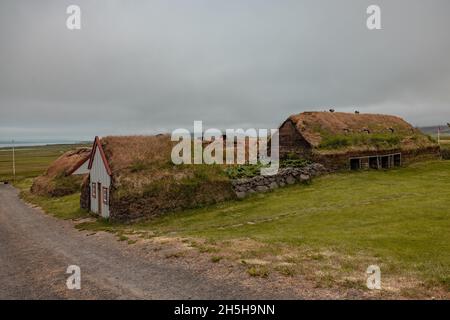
(151, 66)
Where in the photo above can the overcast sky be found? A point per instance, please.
(147, 66)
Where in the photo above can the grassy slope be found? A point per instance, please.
(401, 217)
(66, 207)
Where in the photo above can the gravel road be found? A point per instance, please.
(36, 249)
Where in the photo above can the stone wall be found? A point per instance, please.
(85, 197)
(285, 176)
(176, 197)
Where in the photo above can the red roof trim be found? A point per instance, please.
(102, 154)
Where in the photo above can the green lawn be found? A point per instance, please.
(400, 218)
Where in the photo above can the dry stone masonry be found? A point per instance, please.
(285, 176)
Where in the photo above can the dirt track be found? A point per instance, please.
(35, 250)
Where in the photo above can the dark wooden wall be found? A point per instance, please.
(291, 142)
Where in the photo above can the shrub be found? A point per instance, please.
(294, 163)
(244, 171)
(445, 152)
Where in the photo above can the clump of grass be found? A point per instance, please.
(138, 165)
(216, 259)
(123, 237)
(335, 142)
(325, 281)
(294, 163)
(258, 271)
(204, 248)
(353, 284)
(317, 257)
(379, 140)
(175, 255)
(287, 271)
(244, 171)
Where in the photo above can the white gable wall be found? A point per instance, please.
(83, 169)
(98, 174)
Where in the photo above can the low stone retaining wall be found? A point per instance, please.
(285, 176)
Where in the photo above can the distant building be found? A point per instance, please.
(354, 141)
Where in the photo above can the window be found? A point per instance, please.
(105, 195)
(397, 160)
(373, 163)
(94, 190)
(355, 164)
(385, 162)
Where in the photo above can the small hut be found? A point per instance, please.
(354, 141)
(132, 177)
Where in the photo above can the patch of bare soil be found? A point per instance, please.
(289, 273)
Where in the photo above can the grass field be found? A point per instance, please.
(30, 161)
(401, 217)
(329, 231)
(339, 224)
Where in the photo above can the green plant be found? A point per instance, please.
(244, 171)
(294, 163)
(335, 142)
(379, 140)
(287, 271)
(138, 166)
(258, 271)
(153, 189)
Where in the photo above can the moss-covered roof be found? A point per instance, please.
(141, 164)
(57, 181)
(338, 130)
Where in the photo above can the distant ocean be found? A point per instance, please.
(18, 144)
